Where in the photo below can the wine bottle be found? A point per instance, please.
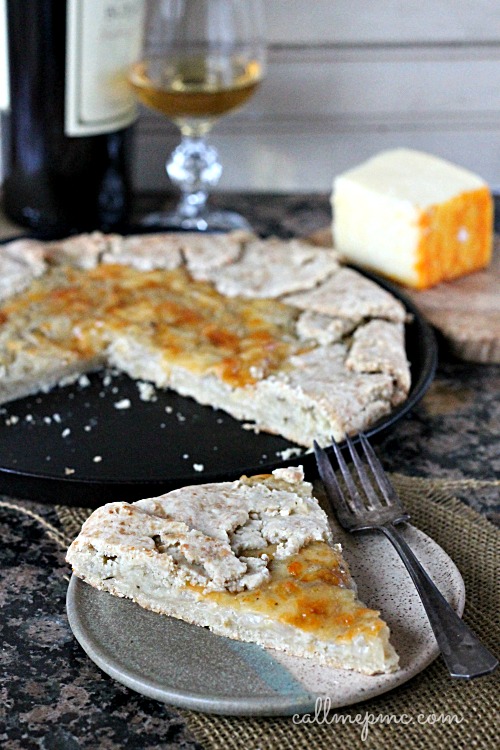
(67, 140)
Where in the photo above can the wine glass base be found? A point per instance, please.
(209, 221)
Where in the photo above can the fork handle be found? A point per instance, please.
(463, 653)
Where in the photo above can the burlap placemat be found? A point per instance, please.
(431, 710)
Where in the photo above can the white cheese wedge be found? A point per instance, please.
(413, 217)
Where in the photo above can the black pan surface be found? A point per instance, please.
(74, 446)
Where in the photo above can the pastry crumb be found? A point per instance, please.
(147, 391)
(68, 471)
(288, 453)
(251, 426)
(198, 467)
(97, 459)
(125, 403)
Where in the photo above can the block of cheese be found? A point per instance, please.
(413, 217)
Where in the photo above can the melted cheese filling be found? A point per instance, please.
(241, 340)
(310, 591)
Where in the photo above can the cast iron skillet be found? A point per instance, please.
(73, 446)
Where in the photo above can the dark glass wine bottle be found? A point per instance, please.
(62, 176)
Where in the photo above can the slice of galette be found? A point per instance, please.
(252, 560)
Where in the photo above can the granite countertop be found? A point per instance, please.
(53, 696)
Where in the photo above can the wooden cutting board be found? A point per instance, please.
(465, 311)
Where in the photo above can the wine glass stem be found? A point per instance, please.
(194, 167)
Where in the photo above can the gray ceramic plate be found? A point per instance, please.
(187, 666)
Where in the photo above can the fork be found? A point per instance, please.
(463, 653)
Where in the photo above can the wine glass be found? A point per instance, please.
(200, 60)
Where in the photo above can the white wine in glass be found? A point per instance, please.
(201, 59)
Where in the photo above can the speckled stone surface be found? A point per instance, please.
(53, 697)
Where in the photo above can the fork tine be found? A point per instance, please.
(355, 499)
(381, 478)
(333, 491)
(371, 495)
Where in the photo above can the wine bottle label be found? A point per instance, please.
(103, 39)
(4, 58)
